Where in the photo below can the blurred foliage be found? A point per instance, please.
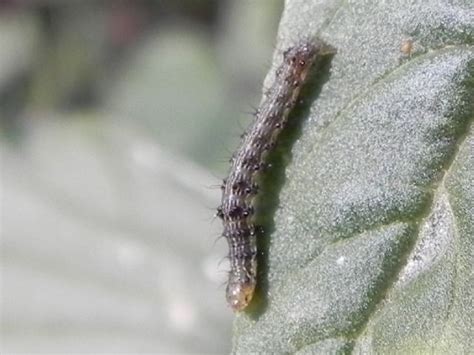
(117, 118)
(160, 63)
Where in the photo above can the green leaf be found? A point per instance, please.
(371, 249)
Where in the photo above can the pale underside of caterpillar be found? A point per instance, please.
(241, 187)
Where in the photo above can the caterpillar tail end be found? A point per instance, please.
(239, 294)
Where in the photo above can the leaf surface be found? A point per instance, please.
(371, 249)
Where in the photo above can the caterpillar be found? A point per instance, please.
(241, 186)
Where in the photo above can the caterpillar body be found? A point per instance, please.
(241, 186)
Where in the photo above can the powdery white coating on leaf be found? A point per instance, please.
(433, 240)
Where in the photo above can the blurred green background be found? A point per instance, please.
(117, 120)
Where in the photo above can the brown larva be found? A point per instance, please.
(240, 188)
(406, 47)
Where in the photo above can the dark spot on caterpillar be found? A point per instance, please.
(238, 212)
(247, 212)
(242, 187)
(249, 163)
(224, 182)
(219, 213)
(258, 142)
(280, 99)
(252, 190)
(290, 104)
(269, 146)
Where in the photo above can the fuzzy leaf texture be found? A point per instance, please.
(372, 249)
